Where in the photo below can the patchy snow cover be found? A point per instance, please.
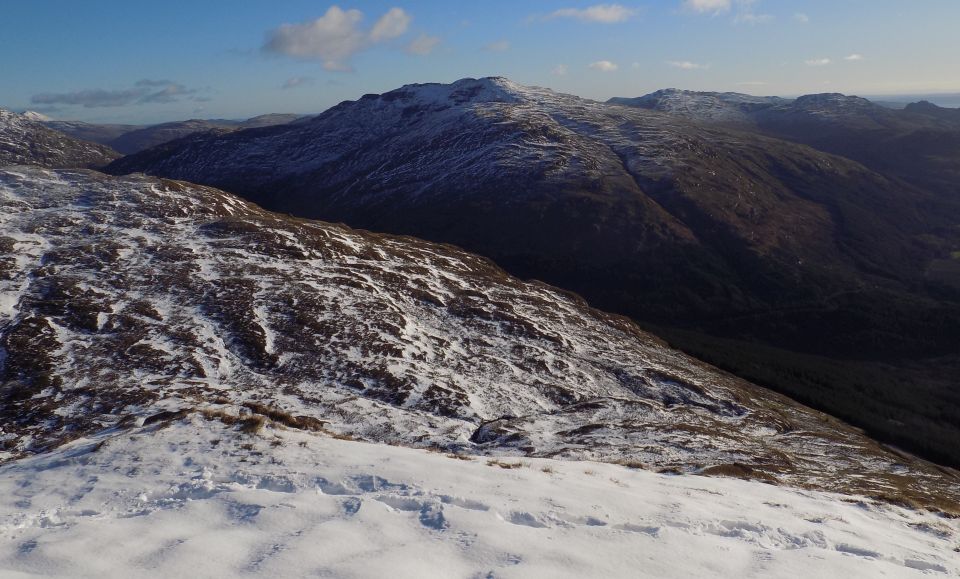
(24, 139)
(199, 499)
(35, 116)
(127, 298)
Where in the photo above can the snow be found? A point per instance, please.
(153, 297)
(200, 499)
(35, 116)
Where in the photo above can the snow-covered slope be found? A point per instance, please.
(199, 499)
(135, 300)
(25, 140)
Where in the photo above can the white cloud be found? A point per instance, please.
(687, 65)
(498, 46)
(746, 15)
(818, 62)
(801, 18)
(752, 18)
(704, 6)
(391, 25)
(853, 57)
(423, 44)
(753, 83)
(603, 13)
(559, 70)
(336, 36)
(604, 66)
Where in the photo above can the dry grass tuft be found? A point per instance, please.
(507, 465)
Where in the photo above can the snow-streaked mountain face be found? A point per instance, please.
(137, 300)
(560, 187)
(35, 116)
(739, 109)
(196, 498)
(24, 140)
(773, 259)
(729, 107)
(918, 144)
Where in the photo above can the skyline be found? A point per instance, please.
(113, 62)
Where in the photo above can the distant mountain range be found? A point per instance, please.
(919, 143)
(129, 139)
(787, 240)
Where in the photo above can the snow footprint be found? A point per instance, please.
(525, 519)
(430, 513)
(651, 530)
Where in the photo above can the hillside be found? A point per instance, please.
(128, 139)
(139, 301)
(26, 141)
(805, 271)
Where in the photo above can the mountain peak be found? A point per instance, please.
(464, 91)
(35, 116)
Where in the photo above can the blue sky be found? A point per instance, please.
(127, 61)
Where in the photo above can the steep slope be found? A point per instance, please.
(790, 257)
(129, 139)
(139, 301)
(23, 140)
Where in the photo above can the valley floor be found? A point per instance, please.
(200, 499)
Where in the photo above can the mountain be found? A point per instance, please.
(705, 106)
(805, 271)
(129, 139)
(135, 301)
(103, 134)
(929, 109)
(919, 143)
(23, 140)
(35, 116)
